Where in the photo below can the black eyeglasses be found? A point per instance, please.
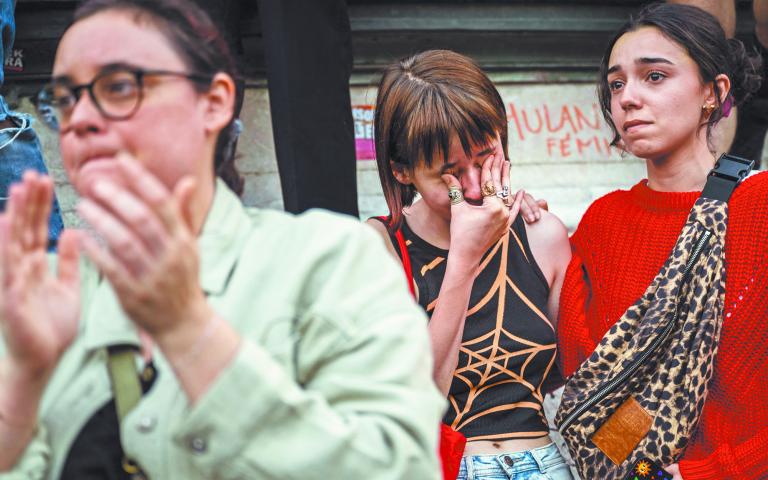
(117, 94)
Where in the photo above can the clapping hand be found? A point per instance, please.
(39, 310)
(150, 255)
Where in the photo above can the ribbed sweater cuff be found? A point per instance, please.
(748, 460)
(705, 469)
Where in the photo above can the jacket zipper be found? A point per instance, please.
(627, 372)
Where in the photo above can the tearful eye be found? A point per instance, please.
(655, 76)
(615, 85)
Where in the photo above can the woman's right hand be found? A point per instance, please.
(39, 311)
(475, 228)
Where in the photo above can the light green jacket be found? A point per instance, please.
(332, 380)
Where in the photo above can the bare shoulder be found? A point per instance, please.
(382, 230)
(548, 231)
(378, 226)
(548, 239)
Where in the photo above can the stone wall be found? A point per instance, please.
(558, 144)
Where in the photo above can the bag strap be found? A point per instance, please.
(127, 392)
(403, 250)
(728, 172)
(124, 379)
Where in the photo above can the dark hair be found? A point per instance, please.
(199, 43)
(423, 100)
(701, 35)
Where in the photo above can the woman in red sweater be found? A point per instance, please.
(666, 79)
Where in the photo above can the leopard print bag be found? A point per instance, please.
(641, 392)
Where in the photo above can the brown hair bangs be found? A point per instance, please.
(423, 101)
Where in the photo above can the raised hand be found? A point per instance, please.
(474, 228)
(39, 311)
(151, 256)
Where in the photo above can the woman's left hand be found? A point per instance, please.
(151, 256)
(674, 469)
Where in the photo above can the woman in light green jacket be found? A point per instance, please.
(268, 346)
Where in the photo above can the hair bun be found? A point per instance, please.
(746, 72)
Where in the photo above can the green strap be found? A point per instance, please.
(125, 380)
(127, 392)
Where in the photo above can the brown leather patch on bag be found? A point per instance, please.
(623, 430)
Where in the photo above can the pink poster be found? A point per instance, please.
(363, 118)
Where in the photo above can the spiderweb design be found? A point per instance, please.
(497, 360)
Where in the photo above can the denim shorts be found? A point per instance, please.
(543, 463)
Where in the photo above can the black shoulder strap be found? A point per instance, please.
(729, 171)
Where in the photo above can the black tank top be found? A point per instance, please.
(508, 347)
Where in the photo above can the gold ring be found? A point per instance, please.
(454, 193)
(488, 189)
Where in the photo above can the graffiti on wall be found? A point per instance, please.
(560, 130)
(569, 129)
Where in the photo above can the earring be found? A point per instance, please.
(709, 107)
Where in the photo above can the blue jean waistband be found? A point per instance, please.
(537, 459)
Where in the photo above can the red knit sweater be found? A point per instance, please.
(620, 245)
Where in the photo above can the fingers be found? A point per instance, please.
(496, 172)
(149, 188)
(123, 243)
(28, 209)
(486, 173)
(450, 180)
(116, 274)
(151, 257)
(454, 189)
(149, 250)
(143, 183)
(40, 208)
(17, 216)
(516, 206)
(505, 187)
(490, 178)
(69, 258)
(529, 208)
(137, 217)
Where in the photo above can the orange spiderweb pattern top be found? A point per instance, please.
(508, 347)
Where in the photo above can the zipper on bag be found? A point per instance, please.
(616, 382)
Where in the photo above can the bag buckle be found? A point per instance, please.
(731, 167)
(729, 171)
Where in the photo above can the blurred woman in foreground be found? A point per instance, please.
(262, 354)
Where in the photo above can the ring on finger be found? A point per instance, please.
(505, 191)
(454, 193)
(488, 189)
